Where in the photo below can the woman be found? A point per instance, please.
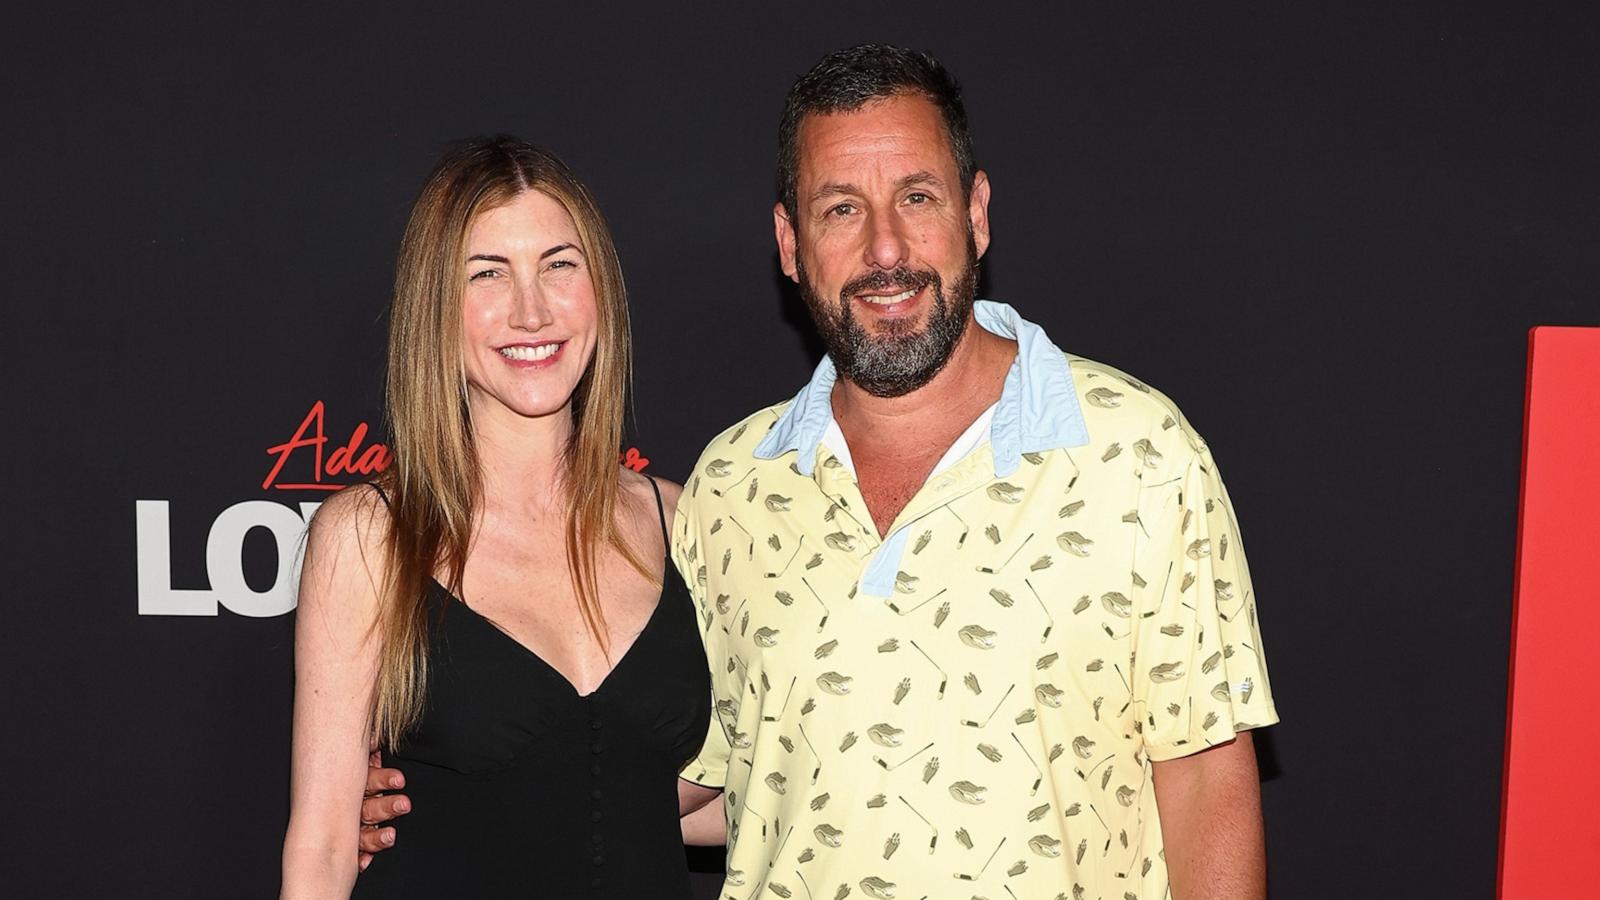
(497, 610)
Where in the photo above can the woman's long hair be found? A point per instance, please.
(434, 484)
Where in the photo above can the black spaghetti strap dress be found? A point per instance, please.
(521, 787)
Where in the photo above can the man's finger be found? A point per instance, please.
(380, 780)
(377, 810)
(375, 840)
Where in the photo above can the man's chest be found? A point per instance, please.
(887, 486)
(1029, 565)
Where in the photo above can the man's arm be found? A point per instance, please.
(701, 816)
(1210, 807)
(1200, 628)
(699, 808)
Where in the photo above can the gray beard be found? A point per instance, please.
(901, 358)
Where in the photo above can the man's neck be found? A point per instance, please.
(926, 420)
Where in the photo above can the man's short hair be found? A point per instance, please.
(846, 80)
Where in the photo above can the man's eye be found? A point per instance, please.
(918, 198)
(843, 209)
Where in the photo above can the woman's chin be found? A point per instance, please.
(539, 406)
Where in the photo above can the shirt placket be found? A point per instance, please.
(880, 564)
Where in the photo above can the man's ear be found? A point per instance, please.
(783, 231)
(978, 211)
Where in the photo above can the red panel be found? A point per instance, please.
(1550, 815)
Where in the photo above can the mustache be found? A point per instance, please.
(902, 277)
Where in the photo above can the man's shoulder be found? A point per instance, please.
(1119, 408)
(729, 459)
(737, 443)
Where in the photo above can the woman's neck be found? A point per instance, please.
(521, 458)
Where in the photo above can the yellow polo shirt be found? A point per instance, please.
(969, 706)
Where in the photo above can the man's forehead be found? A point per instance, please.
(905, 130)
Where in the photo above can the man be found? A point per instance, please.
(977, 612)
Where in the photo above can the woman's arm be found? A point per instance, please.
(336, 656)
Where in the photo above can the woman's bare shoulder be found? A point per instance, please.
(358, 513)
(637, 486)
(346, 546)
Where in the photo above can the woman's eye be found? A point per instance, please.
(485, 274)
(563, 264)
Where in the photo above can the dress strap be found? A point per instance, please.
(381, 494)
(661, 512)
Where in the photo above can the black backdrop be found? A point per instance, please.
(1324, 233)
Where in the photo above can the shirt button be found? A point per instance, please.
(594, 770)
(599, 860)
(595, 724)
(595, 815)
(598, 840)
(596, 747)
(595, 793)
(595, 883)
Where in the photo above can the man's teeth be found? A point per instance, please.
(530, 354)
(892, 298)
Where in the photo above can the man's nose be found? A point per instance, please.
(530, 309)
(887, 246)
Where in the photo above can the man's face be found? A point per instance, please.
(883, 245)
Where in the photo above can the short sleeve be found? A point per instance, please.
(709, 767)
(1200, 675)
(686, 544)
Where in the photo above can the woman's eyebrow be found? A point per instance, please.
(558, 248)
(495, 258)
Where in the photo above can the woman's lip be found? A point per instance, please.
(540, 362)
(528, 344)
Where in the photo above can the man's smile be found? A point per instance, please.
(884, 303)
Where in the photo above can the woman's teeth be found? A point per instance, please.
(530, 354)
(892, 298)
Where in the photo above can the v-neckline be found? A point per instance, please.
(534, 654)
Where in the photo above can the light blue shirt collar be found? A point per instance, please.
(1038, 408)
